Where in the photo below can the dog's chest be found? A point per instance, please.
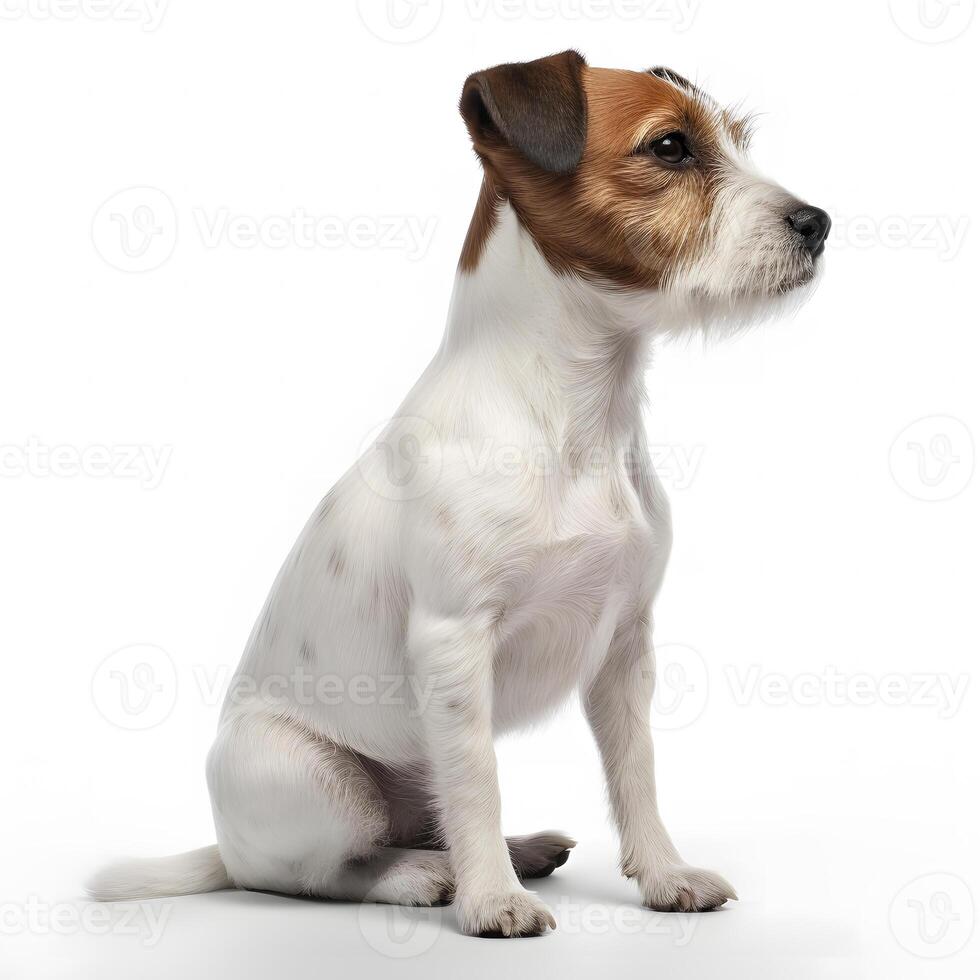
(587, 566)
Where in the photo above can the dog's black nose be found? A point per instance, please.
(813, 226)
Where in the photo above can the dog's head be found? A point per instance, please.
(636, 180)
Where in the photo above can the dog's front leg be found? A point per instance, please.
(453, 661)
(617, 704)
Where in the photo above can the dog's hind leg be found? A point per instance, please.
(397, 876)
(414, 823)
(416, 876)
(537, 855)
(291, 808)
(298, 814)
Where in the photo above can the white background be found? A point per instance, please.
(820, 607)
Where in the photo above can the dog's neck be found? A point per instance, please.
(572, 350)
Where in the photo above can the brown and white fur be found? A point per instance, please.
(497, 591)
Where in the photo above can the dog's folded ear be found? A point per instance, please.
(537, 108)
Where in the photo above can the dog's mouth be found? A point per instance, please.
(797, 281)
(800, 271)
(765, 284)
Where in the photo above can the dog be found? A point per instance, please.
(433, 602)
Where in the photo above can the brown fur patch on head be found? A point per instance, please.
(620, 215)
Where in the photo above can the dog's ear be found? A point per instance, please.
(536, 107)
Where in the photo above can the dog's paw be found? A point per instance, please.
(537, 855)
(507, 915)
(681, 888)
(427, 882)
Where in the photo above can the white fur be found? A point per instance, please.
(181, 874)
(512, 564)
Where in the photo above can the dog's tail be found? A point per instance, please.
(180, 874)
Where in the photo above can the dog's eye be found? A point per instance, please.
(670, 148)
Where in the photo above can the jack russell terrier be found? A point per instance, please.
(615, 205)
